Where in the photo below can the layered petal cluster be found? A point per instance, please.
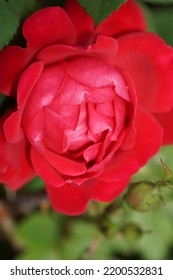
(92, 103)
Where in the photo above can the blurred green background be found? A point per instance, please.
(29, 229)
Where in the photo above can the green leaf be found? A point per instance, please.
(9, 22)
(101, 9)
(37, 234)
(24, 8)
(164, 2)
(163, 20)
(81, 236)
(11, 14)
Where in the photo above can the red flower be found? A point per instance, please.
(87, 103)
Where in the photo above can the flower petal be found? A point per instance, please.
(48, 26)
(13, 60)
(71, 93)
(72, 199)
(101, 46)
(45, 170)
(77, 138)
(148, 141)
(54, 136)
(69, 199)
(166, 121)
(104, 191)
(94, 72)
(43, 28)
(82, 21)
(149, 61)
(129, 17)
(98, 123)
(45, 90)
(27, 82)
(58, 52)
(65, 165)
(15, 166)
(34, 130)
(12, 126)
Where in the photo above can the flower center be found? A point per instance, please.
(80, 110)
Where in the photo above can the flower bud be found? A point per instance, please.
(131, 232)
(143, 196)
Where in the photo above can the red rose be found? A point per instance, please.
(87, 103)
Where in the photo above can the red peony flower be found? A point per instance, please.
(90, 101)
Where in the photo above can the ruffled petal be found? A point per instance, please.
(82, 21)
(101, 46)
(15, 166)
(45, 170)
(149, 62)
(27, 82)
(72, 199)
(93, 72)
(129, 17)
(54, 136)
(148, 138)
(58, 52)
(98, 123)
(77, 138)
(48, 26)
(13, 60)
(12, 126)
(91, 153)
(69, 199)
(72, 92)
(45, 90)
(65, 165)
(131, 110)
(166, 121)
(104, 191)
(34, 131)
(43, 28)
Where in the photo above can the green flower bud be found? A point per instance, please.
(131, 232)
(143, 196)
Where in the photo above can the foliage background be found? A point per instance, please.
(29, 229)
